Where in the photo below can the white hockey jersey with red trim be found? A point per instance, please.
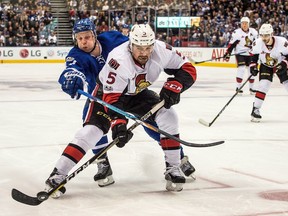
(245, 40)
(121, 71)
(270, 56)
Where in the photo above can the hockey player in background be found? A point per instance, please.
(272, 54)
(241, 40)
(83, 64)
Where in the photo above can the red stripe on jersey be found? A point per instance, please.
(189, 68)
(74, 152)
(260, 95)
(169, 143)
(110, 98)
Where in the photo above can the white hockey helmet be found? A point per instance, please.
(142, 35)
(245, 19)
(266, 29)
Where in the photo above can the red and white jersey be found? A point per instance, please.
(245, 40)
(122, 74)
(270, 55)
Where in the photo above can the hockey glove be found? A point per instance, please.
(281, 68)
(71, 81)
(226, 56)
(119, 130)
(170, 92)
(254, 69)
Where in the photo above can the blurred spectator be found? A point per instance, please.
(34, 41)
(27, 29)
(26, 43)
(52, 38)
(20, 34)
(10, 42)
(42, 31)
(105, 7)
(215, 41)
(72, 4)
(177, 42)
(2, 39)
(103, 27)
(125, 29)
(42, 40)
(2, 43)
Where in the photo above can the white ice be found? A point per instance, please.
(246, 176)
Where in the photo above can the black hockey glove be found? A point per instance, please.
(226, 56)
(170, 92)
(119, 130)
(281, 68)
(254, 69)
(71, 81)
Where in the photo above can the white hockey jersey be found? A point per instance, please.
(245, 40)
(121, 71)
(273, 56)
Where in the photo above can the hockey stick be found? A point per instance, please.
(147, 125)
(202, 121)
(43, 195)
(199, 62)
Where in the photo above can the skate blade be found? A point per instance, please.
(56, 193)
(170, 186)
(105, 182)
(256, 120)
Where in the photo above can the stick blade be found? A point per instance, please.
(203, 122)
(25, 199)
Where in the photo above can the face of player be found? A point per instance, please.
(125, 31)
(85, 41)
(266, 38)
(142, 53)
(244, 26)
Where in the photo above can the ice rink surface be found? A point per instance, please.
(246, 176)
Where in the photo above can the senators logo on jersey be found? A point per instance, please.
(141, 83)
(248, 42)
(269, 60)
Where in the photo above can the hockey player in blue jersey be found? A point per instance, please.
(83, 64)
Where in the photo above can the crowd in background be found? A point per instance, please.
(30, 22)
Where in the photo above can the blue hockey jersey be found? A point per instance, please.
(89, 65)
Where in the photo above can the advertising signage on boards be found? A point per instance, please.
(177, 22)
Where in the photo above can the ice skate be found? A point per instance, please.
(256, 117)
(53, 181)
(252, 91)
(104, 175)
(174, 178)
(188, 169)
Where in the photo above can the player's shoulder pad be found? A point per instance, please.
(76, 54)
(111, 36)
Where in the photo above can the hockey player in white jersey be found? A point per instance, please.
(125, 86)
(124, 80)
(241, 42)
(271, 52)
